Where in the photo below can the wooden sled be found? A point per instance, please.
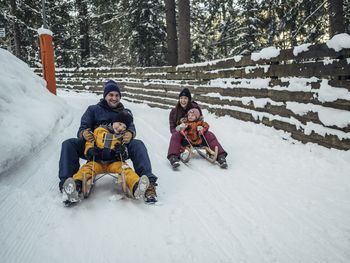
(203, 151)
(120, 182)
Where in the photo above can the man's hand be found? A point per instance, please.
(88, 135)
(127, 137)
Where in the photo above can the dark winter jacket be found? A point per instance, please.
(102, 114)
(177, 113)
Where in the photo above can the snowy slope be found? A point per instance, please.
(279, 201)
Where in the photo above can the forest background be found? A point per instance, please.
(97, 33)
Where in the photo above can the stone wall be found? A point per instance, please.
(305, 93)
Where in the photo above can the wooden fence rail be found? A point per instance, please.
(306, 94)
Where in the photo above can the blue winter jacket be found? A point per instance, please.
(102, 114)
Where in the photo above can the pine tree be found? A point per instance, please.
(22, 18)
(315, 23)
(289, 23)
(347, 15)
(147, 32)
(210, 29)
(249, 33)
(226, 28)
(271, 21)
(65, 33)
(201, 33)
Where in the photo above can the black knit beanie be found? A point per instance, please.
(123, 117)
(111, 85)
(186, 92)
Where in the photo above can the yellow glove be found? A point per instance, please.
(88, 135)
(127, 137)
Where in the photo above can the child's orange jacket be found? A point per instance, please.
(192, 134)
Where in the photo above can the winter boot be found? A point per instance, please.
(141, 187)
(71, 189)
(185, 155)
(222, 161)
(174, 161)
(151, 195)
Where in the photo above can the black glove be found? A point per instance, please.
(120, 149)
(93, 152)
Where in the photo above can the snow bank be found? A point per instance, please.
(329, 93)
(300, 49)
(338, 42)
(44, 31)
(28, 111)
(257, 83)
(325, 114)
(266, 53)
(209, 63)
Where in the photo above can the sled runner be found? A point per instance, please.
(70, 188)
(72, 192)
(203, 151)
(120, 183)
(80, 188)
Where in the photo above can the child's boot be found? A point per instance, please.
(72, 188)
(141, 187)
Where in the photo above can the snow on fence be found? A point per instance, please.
(304, 91)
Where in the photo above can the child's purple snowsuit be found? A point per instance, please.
(176, 137)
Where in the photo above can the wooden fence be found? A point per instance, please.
(305, 93)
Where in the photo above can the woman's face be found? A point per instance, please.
(183, 101)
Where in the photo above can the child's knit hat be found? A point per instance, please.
(195, 112)
(123, 117)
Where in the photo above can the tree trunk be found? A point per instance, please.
(184, 32)
(336, 17)
(171, 32)
(16, 30)
(84, 39)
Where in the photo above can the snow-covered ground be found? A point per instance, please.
(279, 201)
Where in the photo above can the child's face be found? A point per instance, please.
(118, 127)
(191, 116)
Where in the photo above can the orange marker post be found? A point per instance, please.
(47, 58)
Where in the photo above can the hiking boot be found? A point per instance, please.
(174, 161)
(71, 190)
(140, 187)
(150, 194)
(222, 161)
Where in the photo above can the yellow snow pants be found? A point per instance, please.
(95, 168)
